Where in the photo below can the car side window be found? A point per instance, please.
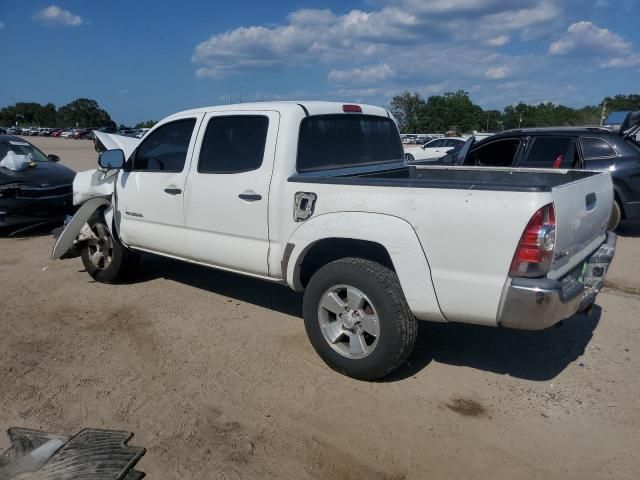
(233, 144)
(593, 148)
(499, 153)
(550, 152)
(165, 149)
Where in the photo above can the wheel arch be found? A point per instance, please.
(385, 239)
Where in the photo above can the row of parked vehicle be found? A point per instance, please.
(76, 133)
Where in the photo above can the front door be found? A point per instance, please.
(227, 197)
(150, 191)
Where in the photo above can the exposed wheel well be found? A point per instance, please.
(331, 249)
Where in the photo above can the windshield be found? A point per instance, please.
(20, 147)
(337, 141)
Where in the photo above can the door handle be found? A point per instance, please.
(173, 191)
(250, 197)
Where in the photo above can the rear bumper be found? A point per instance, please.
(538, 303)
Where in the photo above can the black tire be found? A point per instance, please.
(397, 325)
(409, 158)
(122, 262)
(616, 216)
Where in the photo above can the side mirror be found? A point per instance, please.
(111, 159)
(53, 158)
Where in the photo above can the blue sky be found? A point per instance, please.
(145, 59)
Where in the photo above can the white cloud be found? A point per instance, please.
(54, 15)
(589, 38)
(370, 74)
(499, 41)
(384, 36)
(586, 40)
(497, 73)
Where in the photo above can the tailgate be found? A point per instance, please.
(582, 211)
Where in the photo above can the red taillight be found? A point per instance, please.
(535, 249)
(351, 109)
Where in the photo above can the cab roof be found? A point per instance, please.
(304, 107)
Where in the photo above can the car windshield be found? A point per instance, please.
(20, 147)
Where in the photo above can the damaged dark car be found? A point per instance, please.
(34, 188)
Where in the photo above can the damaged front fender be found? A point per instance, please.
(74, 227)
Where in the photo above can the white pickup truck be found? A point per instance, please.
(315, 195)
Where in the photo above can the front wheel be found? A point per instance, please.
(104, 257)
(357, 318)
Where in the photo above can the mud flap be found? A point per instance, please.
(71, 231)
(91, 454)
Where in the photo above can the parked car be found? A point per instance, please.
(40, 193)
(591, 148)
(333, 211)
(56, 132)
(3, 131)
(67, 133)
(433, 150)
(81, 133)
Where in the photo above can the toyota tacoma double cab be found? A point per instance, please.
(316, 196)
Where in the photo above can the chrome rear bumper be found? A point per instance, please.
(538, 303)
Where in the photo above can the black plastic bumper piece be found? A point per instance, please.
(89, 455)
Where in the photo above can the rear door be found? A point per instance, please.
(226, 209)
(150, 192)
(551, 152)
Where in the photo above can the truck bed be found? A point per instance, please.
(459, 178)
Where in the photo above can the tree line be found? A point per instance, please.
(456, 111)
(82, 112)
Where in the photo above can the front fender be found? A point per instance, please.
(393, 233)
(71, 231)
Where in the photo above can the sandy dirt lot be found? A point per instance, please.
(214, 375)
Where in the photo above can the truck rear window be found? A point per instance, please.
(344, 140)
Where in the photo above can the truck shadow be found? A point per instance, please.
(246, 289)
(537, 356)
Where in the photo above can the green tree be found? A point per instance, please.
(450, 111)
(406, 107)
(623, 102)
(147, 124)
(84, 112)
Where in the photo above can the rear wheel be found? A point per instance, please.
(357, 318)
(104, 257)
(616, 216)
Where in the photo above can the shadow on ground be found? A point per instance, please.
(28, 231)
(536, 356)
(250, 290)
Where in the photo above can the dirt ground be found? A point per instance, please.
(214, 375)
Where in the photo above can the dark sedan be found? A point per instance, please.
(591, 148)
(40, 193)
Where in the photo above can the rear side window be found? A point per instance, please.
(593, 148)
(233, 144)
(165, 149)
(335, 141)
(550, 152)
(499, 153)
